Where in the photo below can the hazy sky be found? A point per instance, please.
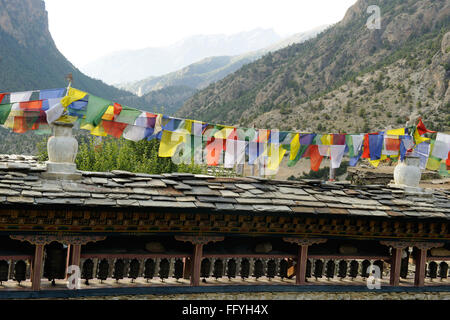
(88, 29)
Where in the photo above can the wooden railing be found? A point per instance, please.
(229, 268)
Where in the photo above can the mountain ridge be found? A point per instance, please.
(135, 65)
(288, 82)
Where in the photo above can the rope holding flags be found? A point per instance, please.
(191, 141)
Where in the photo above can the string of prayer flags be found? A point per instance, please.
(217, 144)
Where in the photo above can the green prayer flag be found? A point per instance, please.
(349, 143)
(5, 109)
(128, 115)
(95, 110)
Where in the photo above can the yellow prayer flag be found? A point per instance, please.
(72, 96)
(375, 163)
(433, 163)
(109, 114)
(169, 143)
(276, 154)
(295, 147)
(224, 133)
(67, 119)
(99, 130)
(418, 139)
(396, 132)
(326, 139)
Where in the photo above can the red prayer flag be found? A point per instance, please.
(31, 105)
(2, 95)
(421, 128)
(315, 158)
(113, 128)
(338, 139)
(366, 153)
(20, 125)
(214, 148)
(392, 144)
(117, 109)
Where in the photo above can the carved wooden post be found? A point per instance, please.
(76, 254)
(67, 261)
(397, 247)
(302, 256)
(41, 240)
(37, 267)
(421, 259)
(396, 259)
(198, 242)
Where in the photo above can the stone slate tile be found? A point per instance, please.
(412, 213)
(195, 182)
(339, 206)
(245, 186)
(339, 192)
(284, 202)
(71, 201)
(166, 204)
(156, 183)
(12, 181)
(182, 186)
(292, 191)
(117, 196)
(264, 187)
(216, 187)
(122, 173)
(379, 213)
(338, 211)
(228, 194)
(169, 181)
(127, 203)
(27, 200)
(186, 199)
(268, 208)
(202, 191)
(256, 191)
(147, 191)
(137, 184)
(122, 180)
(280, 195)
(216, 199)
(96, 180)
(141, 178)
(139, 196)
(303, 210)
(163, 198)
(253, 201)
(323, 210)
(112, 184)
(310, 203)
(394, 213)
(8, 192)
(402, 202)
(28, 193)
(169, 191)
(98, 196)
(224, 206)
(243, 207)
(97, 174)
(100, 202)
(205, 205)
(359, 212)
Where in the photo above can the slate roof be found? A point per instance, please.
(21, 183)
